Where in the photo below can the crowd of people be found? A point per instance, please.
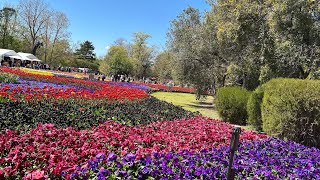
(121, 78)
(28, 64)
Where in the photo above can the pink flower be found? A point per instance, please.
(71, 147)
(35, 175)
(1, 174)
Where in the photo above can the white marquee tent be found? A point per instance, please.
(28, 56)
(9, 53)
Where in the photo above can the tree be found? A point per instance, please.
(163, 66)
(124, 43)
(7, 24)
(55, 32)
(192, 42)
(116, 62)
(246, 42)
(142, 53)
(243, 38)
(33, 15)
(86, 50)
(120, 42)
(295, 26)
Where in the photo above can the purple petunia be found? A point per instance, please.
(261, 159)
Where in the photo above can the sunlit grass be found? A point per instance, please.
(189, 102)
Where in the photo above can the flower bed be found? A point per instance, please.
(82, 114)
(262, 159)
(53, 150)
(37, 72)
(102, 90)
(167, 88)
(130, 85)
(61, 129)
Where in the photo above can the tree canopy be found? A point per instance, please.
(246, 42)
(86, 50)
(116, 62)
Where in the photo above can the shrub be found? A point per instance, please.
(8, 78)
(254, 108)
(231, 104)
(291, 109)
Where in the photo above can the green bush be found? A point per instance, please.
(8, 78)
(254, 108)
(291, 109)
(231, 103)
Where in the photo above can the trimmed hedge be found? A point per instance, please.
(26, 115)
(291, 109)
(231, 103)
(254, 108)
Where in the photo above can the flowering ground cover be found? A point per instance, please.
(24, 115)
(157, 87)
(66, 128)
(29, 89)
(37, 72)
(53, 150)
(260, 159)
(130, 85)
(102, 90)
(25, 84)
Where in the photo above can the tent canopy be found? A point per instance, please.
(28, 56)
(8, 53)
(16, 57)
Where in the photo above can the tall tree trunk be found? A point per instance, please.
(244, 83)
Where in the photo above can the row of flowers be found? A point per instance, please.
(130, 85)
(37, 72)
(262, 159)
(53, 150)
(29, 73)
(101, 90)
(84, 114)
(167, 88)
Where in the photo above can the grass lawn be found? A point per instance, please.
(189, 102)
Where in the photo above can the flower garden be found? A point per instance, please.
(67, 128)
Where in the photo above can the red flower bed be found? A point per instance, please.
(102, 90)
(106, 92)
(166, 88)
(53, 150)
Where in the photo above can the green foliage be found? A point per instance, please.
(234, 74)
(265, 74)
(82, 115)
(263, 39)
(80, 63)
(231, 103)
(254, 108)
(196, 59)
(7, 17)
(291, 109)
(8, 78)
(117, 62)
(86, 50)
(142, 54)
(295, 27)
(315, 75)
(163, 66)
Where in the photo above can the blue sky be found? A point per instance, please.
(104, 21)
